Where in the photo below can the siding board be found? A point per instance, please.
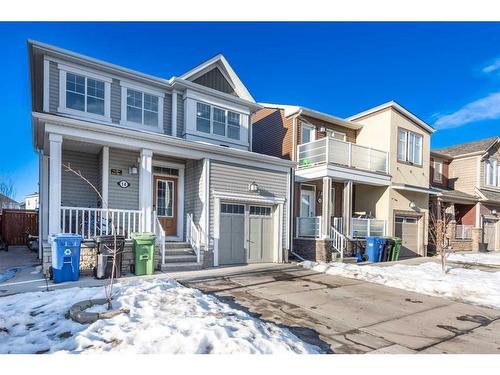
(180, 116)
(215, 80)
(53, 87)
(119, 198)
(75, 192)
(225, 177)
(167, 114)
(116, 103)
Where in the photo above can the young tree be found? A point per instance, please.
(7, 189)
(440, 216)
(108, 287)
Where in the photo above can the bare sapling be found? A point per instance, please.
(108, 286)
(440, 216)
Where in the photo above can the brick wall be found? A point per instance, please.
(315, 250)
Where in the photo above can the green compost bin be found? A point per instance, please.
(144, 253)
(394, 254)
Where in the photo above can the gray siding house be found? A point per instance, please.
(168, 156)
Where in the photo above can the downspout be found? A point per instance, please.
(292, 185)
(294, 133)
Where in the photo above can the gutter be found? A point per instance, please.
(294, 134)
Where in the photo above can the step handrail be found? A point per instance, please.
(339, 241)
(160, 236)
(193, 236)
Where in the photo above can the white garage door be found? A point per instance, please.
(246, 234)
(406, 228)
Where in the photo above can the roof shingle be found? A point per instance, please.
(467, 148)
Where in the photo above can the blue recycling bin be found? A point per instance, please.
(66, 257)
(374, 248)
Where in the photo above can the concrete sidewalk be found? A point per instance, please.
(351, 316)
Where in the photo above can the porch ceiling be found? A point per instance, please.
(89, 148)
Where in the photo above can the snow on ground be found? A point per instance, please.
(164, 317)
(475, 258)
(468, 285)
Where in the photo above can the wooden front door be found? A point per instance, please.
(165, 203)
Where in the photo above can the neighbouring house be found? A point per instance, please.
(467, 180)
(31, 202)
(362, 176)
(7, 203)
(169, 156)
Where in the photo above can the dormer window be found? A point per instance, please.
(141, 106)
(217, 121)
(83, 93)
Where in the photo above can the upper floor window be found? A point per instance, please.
(492, 175)
(336, 135)
(83, 92)
(218, 121)
(141, 106)
(409, 147)
(307, 133)
(437, 175)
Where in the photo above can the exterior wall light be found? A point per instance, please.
(132, 170)
(412, 205)
(494, 212)
(253, 187)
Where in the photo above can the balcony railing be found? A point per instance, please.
(333, 151)
(91, 222)
(463, 232)
(362, 228)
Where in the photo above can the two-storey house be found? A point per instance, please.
(467, 180)
(362, 176)
(169, 156)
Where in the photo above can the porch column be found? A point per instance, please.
(105, 177)
(347, 209)
(44, 198)
(326, 214)
(55, 161)
(146, 189)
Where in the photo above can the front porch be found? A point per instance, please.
(123, 191)
(331, 215)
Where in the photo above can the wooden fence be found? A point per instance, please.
(15, 224)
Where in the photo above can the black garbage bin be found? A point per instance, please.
(105, 251)
(386, 252)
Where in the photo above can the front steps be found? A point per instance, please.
(336, 258)
(179, 256)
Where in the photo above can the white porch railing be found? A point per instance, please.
(333, 151)
(463, 232)
(361, 227)
(308, 227)
(160, 235)
(338, 223)
(339, 241)
(193, 236)
(91, 222)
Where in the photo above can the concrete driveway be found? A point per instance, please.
(350, 316)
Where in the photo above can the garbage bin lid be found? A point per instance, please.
(143, 236)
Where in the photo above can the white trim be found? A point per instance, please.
(105, 176)
(87, 72)
(342, 174)
(414, 188)
(163, 144)
(206, 172)
(143, 88)
(207, 99)
(44, 198)
(55, 172)
(168, 164)
(247, 198)
(84, 114)
(399, 108)
(46, 86)
(124, 120)
(146, 188)
(174, 113)
(180, 205)
(330, 133)
(313, 203)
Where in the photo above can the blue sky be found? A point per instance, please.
(446, 73)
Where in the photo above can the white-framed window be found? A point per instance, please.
(141, 106)
(336, 135)
(492, 175)
(307, 133)
(437, 175)
(84, 93)
(410, 146)
(214, 120)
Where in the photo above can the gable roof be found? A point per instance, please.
(6, 199)
(220, 62)
(480, 146)
(400, 109)
(290, 110)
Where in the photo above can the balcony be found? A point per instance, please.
(330, 151)
(310, 227)
(362, 228)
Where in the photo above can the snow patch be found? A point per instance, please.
(468, 285)
(164, 317)
(476, 258)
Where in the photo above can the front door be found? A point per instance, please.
(165, 203)
(307, 201)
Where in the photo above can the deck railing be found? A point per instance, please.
(333, 151)
(193, 236)
(362, 228)
(92, 222)
(308, 227)
(463, 232)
